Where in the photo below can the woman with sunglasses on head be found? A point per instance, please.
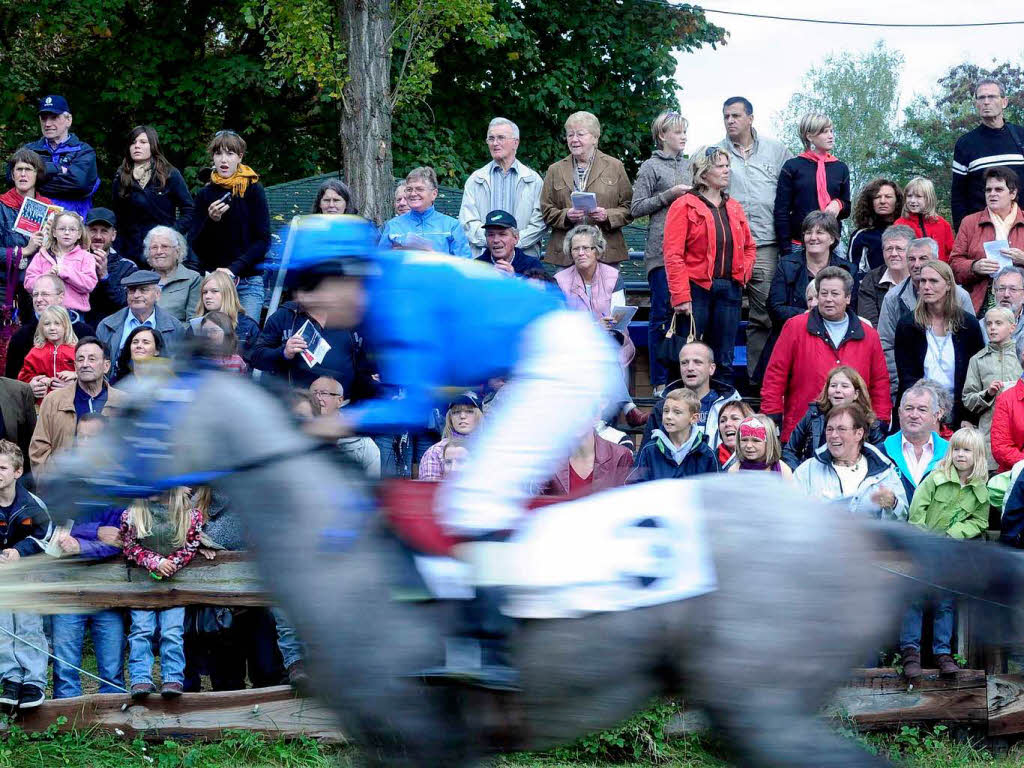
(148, 192)
(231, 227)
(709, 256)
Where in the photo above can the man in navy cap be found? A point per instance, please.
(502, 235)
(71, 177)
(109, 295)
(143, 289)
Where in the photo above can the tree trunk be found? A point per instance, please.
(366, 114)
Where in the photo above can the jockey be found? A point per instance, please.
(437, 325)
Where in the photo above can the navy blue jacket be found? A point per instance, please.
(653, 461)
(797, 195)
(239, 241)
(109, 295)
(247, 331)
(787, 296)
(1012, 525)
(28, 517)
(139, 210)
(345, 362)
(521, 262)
(809, 435)
(71, 176)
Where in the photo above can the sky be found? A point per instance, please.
(765, 60)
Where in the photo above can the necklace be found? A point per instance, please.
(845, 463)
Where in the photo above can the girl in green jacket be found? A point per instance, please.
(951, 500)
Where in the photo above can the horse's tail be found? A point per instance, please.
(990, 575)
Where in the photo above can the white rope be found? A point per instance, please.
(62, 661)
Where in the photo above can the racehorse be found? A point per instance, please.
(799, 602)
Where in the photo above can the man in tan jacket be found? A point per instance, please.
(60, 410)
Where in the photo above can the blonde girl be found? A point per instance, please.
(161, 534)
(64, 253)
(921, 214)
(464, 416)
(51, 361)
(758, 447)
(217, 293)
(951, 500)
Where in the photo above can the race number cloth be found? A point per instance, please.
(626, 548)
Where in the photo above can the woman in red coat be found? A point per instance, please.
(709, 256)
(815, 342)
(1008, 427)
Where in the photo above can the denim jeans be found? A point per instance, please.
(942, 626)
(251, 294)
(287, 640)
(391, 460)
(716, 313)
(657, 323)
(107, 640)
(171, 625)
(19, 662)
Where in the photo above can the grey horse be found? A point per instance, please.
(799, 602)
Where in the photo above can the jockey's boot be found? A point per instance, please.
(479, 656)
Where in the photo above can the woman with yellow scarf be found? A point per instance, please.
(231, 227)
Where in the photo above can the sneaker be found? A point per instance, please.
(11, 694)
(31, 697)
(142, 690)
(171, 690)
(297, 677)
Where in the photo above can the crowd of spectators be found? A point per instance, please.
(885, 369)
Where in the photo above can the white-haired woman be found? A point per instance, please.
(709, 256)
(165, 250)
(586, 170)
(814, 180)
(663, 178)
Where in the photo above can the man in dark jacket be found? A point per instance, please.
(48, 291)
(71, 176)
(877, 282)
(24, 524)
(111, 268)
(278, 347)
(502, 238)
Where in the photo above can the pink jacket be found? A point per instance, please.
(77, 270)
(607, 281)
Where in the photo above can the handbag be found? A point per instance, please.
(669, 347)
(209, 620)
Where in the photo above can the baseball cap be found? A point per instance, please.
(53, 104)
(500, 220)
(465, 398)
(101, 215)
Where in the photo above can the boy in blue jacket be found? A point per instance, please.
(24, 524)
(678, 449)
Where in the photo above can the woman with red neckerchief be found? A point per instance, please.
(814, 180)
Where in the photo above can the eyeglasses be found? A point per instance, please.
(498, 139)
(44, 295)
(320, 393)
(1008, 289)
(582, 249)
(838, 430)
(576, 134)
(712, 151)
(218, 134)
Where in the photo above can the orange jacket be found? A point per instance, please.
(689, 245)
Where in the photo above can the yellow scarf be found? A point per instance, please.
(237, 183)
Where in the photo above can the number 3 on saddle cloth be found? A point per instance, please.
(576, 556)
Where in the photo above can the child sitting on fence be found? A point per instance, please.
(52, 357)
(24, 524)
(952, 499)
(162, 535)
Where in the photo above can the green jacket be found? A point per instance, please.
(993, 363)
(943, 505)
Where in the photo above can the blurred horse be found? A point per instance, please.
(798, 603)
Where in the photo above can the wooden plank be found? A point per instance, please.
(1005, 705)
(887, 679)
(276, 712)
(74, 585)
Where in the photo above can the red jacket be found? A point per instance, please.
(1008, 427)
(935, 227)
(47, 360)
(804, 355)
(689, 245)
(976, 230)
(612, 465)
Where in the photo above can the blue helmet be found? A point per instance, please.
(319, 245)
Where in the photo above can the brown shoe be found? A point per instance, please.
(298, 679)
(947, 667)
(142, 690)
(171, 690)
(911, 663)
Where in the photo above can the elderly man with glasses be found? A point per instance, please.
(329, 396)
(424, 227)
(47, 292)
(71, 177)
(504, 184)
